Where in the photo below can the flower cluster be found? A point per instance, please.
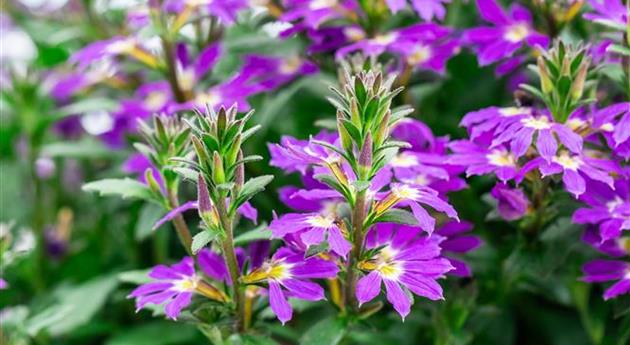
(565, 139)
(379, 169)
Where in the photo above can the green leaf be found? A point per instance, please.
(361, 185)
(88, 105)
(251, 188)
(397, 216)
(149, 215)
(187, 173)
(126, 188)
(84, 149)
(136, 277)
(200, 240)
(328, 331)
(619, 49)
(262, 232)
(76, 306)
(155, 333)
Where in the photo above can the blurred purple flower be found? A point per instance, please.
(506, 36)
(608, 270)
(458, 242)
(608, 208)
(512, 203)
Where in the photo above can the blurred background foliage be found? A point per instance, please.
(520, 294)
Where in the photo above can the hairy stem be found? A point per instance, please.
(227, 246)
(358, 217)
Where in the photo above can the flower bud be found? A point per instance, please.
(365, 156)
(203, 200)
(346, 139)
(577, 88)
(239, 173)
(545, 81)
(152, 181)
(218, 173)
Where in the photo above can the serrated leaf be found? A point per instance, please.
(125, 188)
(200, 240)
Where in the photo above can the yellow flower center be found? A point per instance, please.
(384, 263)
(624, 243)
(575, 124)
(269, 270)
(516, 33)
(539, 123)
(501, 158)
(122, 46)
(567, 162)
(607, 127)
(420, 55)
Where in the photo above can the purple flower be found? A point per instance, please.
(314, 228)
(403, 262)
(3, 284)
(520, 134)
(608, 12)
(607, 270)
(512, 203)
(617, 247)
(189, 73)
(246, 210)
(508, 34)
(425, 45)
(608, 209)
(174, 287)
(226, 10)
(426, 9)
(313, 13)
(413, 196)
(264, 73)
(480, 160)
(614, 120)
(573, 168)
(458, 242)
(492, 120)
(288, 274)
(112, 48)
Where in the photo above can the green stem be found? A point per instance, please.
(227, 245)
(358, 218)
(180, 224)
(171, 71)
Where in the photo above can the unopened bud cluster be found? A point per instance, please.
(563, 72)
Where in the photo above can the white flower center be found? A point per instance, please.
(607, 127)
(512, 111)
(501, 158)
(420, 55)
(404, 160)
(155, 100)
(574, 124)
(386, 265)
(354, 34)
(538, 123)
(516, 33)
(211, 98)
(405, 192)
(187, 284)
(121, 46)
(321, 4)
(290, 65)
(385, 39)
(568, 162)
(320, 221)
(186, 78)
